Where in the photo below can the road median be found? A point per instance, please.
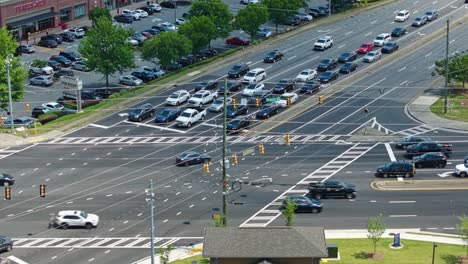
(420, 185)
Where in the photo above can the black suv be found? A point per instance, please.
(332, 188)
(141, 112)
(62, 60)
(55, 37)
(396, 168)
(231, 87)
(145, 76)
(430, 159)
(327, 64)
(425, 147)
(283, 86)
(239, 69)
(273, 56)
(207, 85)
(124, 19)
(63, 72)
(71, 55)
(311, 87)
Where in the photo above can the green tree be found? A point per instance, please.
(289, 212)
(164, 254)
(18, 74)
(106, 49)
(98, 12)
(166, 47)
(217, 11)
(462, 229)
(200, 31)
(457, 68)
(375, 230)
(251, 18)
(280, 10)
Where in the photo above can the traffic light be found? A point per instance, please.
(7, 193)
(257, 102)
(288, 101)
(206, 167)
(42, 191)
(234, 159)
(261, 149)
(27, 107)
(287, 140)
(234, 103)
(320, 99)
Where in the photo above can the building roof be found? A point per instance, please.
(266, 242)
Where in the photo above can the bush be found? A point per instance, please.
(46, 118)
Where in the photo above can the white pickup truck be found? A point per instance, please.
(202, 97)
(189, 117)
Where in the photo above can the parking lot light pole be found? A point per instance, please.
(150, 193)
(225, 183)
(7, 64)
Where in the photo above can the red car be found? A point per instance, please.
(365, 47)
(240, 41)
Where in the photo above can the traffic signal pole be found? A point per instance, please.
(225, 183)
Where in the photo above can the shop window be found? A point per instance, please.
(80, 11)
(46, 23)
(65, 15)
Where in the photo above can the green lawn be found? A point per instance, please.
(457, 108)
(353, 251)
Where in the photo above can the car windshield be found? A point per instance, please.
(418, 19)
(348, 64)
(305, 73)
(321, 41)
(251, 86)
(325, 61)
(202, 84)
(326, 74)
(165, 112)
(346, 54)
(283, 82)
(236, 68)
(251, 74)
(138, 111)
(397, 29)
(174, 96)
(235, 122)
(197, 96)
(219, 101)
(265, 106)
(284, 97)
(380, 38)
(429, 13)
(401, 14)
(271, 53)
(371, 54)
(364, 46)
(84, 215)
(185, 114)
(231, 108)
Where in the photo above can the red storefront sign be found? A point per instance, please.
(31, 5)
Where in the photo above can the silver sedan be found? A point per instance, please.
(130, 80)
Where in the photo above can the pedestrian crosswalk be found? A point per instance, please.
(5, 152)
(105, 242)
(272, 210)
(417, 130)
(197, 139)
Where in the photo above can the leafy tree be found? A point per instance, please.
(166, 47)
(219, 220)
(18, 74)
(457, 68)
(106, 49)
(200, 31)
(375, 229)
(462, 229)
(164, 254)
(217, 11)
(289, 212)
(252, 17)
(98, 12)
(280, 10)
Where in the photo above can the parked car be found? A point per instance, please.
(75, 218)
(78, 32)
(408, 141)
(148, 10)
(165, 27)
(396, 168)
(169, 4)
(264, 32)
(208, 52)
(6, 180)
(365, 47)
(328, 76)
(267, 110)
(141, 112)
(294, 21)
(311, 87)
(63, 72)
(143, 13)
(131, 13)
(130, 80)
(124, 19)
(273, 56)
(398, 32)
(315, 12)
(6, 244)
(145, 76)
(238, 70)
(283, 86)
(419, 21)
(178, 97)
(71, 55)
(55, 37)
(191, 158)
(35, 68)
(80, 66)
(54, 65)
(155, 7)
(304, 204)
(304, 17)
(42, 80)
(62, 60)
(39, 110)
(348, 67)
(67, 36)
(48, 43)
(431, 160)
(332, 189)
(23, 121)
(239, 41)
(236, 125)
(27, 48)
(53, 106)
(347, 56)
(390, 47)
(167, 115)
(158, 72)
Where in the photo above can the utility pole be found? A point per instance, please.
(175, 12)
(7, 63)
(225, 183)
(150, 193)
(329, 7)
(434, 245)
(446, 69)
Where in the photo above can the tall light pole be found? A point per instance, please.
(149, 192)
(175, 12)
(446, 69)
(7, 64)
(329, 7)
(225, 183)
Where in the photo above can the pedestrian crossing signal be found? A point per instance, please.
(42, 190)
(206, 167)
(7, 193)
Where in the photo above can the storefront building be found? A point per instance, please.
(29, 16)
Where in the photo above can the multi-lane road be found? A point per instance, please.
(105, 167)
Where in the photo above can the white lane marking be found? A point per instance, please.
(449, 228)
(432, 66)
(178, 213)
(191, 206)
(341, 46)
(54, 257)
(158, 127)
(373, 201)
(17, 260)
(109, 195)
(292, 57)
(126, 221)
(177, 193)
(99, 126)
(432, 228)
(400, 202)
(165, 221)
(400, 179)
(427, 55)
(48, 164)
(390, 152)
(349, 32)
(165, 200)
(91, 259)
(403, 215)
(402, 69)
(140, 214)
(89, 199)
(368, 34)
(111, 229)
(203, 199)
(373, 22)
(107, 251)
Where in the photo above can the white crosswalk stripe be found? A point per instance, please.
(105, 243)
(5, 152)
(414, 131)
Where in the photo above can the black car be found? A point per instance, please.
(6, 179)
(396, 168)
(62, 60)
(327, 64)
(430, 159)
(148, 10)
(68, 36)
(209, 52)
(237, 125)
(48, 43)
(283, 86)
(425, 147)
(208, 85)
(145, 76)
(55, 65)
(328, 76)
(71, 55)
(347, 56)
(304, 204)
(124, 19)
(63, 72)
(167, 115)
(239, 69)
(348, 67)
(315, 12)
(408, 141)
(39, 110)
(190, 158)
(231, 87)
(168, 4)
(311, 87)
(390, 47)
(141, 112)
(152, 31)
(6, 244)
(332, 188)
(261, 95)
(232, 112)
(294, 21)
(187, 60)
(398, 32)
(267, 110)
(273, 56)
(55, 37)
(172, 67)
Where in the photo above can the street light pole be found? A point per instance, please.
(150, 193)
(225, 183)
(7, 63)
(446, 69)
(329, 7)
(434, 245)
(175, 12)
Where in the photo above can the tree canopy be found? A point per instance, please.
(200, 31)
(280, 10)
(106, 49)
(457, 68)
(252, 17)
(217, 11)
(98, 12)
(166, 47)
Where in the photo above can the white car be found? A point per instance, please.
(142, 13)
(202, 97)
(132, 41)
(304, 17)
(323, 43)
(178, 97)
(180, 21)
(78, 32)
(65, 219)
(283, 101)
(306, 75)
(402, 16)
(382, 39)
(155, 7)
(218, 104)
(135, 15)
(372, 56)
(130, 80)
(53, 106)
(189, 117)
(255, 75)
(461, 170)
(250, 89)
(46, 70)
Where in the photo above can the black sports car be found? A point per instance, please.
(190, 158)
